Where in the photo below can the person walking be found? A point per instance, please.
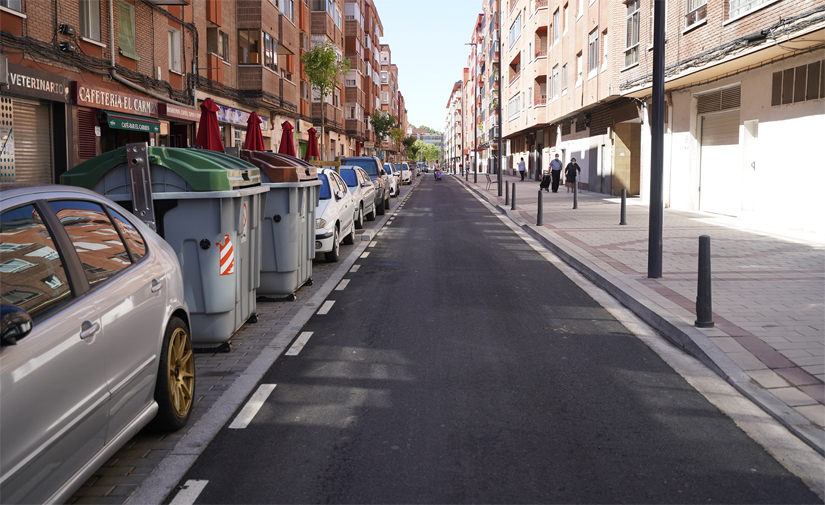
(570, 172)
(555, 171)
(521, 169)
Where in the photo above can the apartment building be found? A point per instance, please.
(453, 145)
(389, 96)
(75, 84)
(577, 82)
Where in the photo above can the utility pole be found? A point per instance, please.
(654, 249)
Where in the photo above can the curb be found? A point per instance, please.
(681, 334)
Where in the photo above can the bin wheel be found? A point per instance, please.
(252, 319)
(310, 282)
(291, 297)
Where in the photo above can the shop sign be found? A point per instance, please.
(101, 98)
(37, 83)
(239, 117)
(178, 112)
(369, 145)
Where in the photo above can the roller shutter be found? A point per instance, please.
(32, 143)
(721, 164)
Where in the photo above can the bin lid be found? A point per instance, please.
(280, 167)
(202, 169)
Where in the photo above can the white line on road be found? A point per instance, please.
(252, 407)
(342, 285)
(299, 343)
(324, 310)
(189, 492)
(364, 255)
(373, 244)
(354, 268)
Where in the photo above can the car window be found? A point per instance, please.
(363, 175)
(133, 238)
(95, 238)
(32, 276)
(367, 164)
(340, 182)
(334, 183)
(350, 177)
(325, 193)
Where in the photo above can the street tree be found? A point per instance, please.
(416, 149)
(408, 143)
(397, 134)
(382, 123)
(431, 153)
(324, 68)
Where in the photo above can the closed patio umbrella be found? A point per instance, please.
(209, 134)
(287, 144)
(254, 137)
(312, 146)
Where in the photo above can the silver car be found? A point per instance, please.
(95, 338)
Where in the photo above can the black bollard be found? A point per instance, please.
(623, 219)
(704, 307)
(540, 213)
(575, 195)
(506, 194)
(513, 198)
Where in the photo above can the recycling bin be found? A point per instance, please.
(208, 206)
(288, 228)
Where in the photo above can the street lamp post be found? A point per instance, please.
(475, 112)
(500, 108)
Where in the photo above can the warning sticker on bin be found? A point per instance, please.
(227, 263)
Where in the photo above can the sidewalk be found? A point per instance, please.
(768, 290)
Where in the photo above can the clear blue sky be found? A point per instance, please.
(427, 40)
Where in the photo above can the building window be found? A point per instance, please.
(217, 42)
(605, 50)
(556, 26)
(89, 19)
(564, 77)
(514, 106)
(631, 53)
(249, 47)
(738, 8)
(270, 52)
(15, 5)
(288, 9)
(384, 78)
(593, 51)
(579, 68)
(697, 10)
(174, 49)
(564, 26)
(126, 30)
(554, 85)
(515, 31)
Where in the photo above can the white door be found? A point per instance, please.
(720, 186)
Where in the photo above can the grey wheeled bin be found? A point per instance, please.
(208, 206)
(288, 230)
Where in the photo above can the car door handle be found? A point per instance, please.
(156, 286)
(87, 329)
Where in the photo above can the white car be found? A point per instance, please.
(406, 173)
(395, 178)
(334, 216)
(363, 193)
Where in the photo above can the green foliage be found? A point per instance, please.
(429, 130)
(408, 142)
(431, 153)
(382, 123)
(417, 148)
(397, 135)
(323, 68)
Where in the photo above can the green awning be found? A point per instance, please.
(120, 121)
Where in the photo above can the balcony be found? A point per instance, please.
(541, 53)
(542, 100)
(541, 4)
(514, 77)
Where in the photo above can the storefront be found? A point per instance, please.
(177, 125)
(107, 119)
(232, 125)
(33, 126)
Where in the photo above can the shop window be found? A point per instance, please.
(249, 47)
(90, 19)
(217, 42)
(126, 30)
(174, 50)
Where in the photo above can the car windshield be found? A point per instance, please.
(326, 194)
(367, 164)
(397, 166)
(348, 174)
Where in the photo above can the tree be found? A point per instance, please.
(416, 149)
(324, 69)
(431, 153)
(397, 135)
(382, 123)
(408, 143)
(429, 130)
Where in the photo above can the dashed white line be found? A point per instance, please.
(190, 492)
(325, 308)
(342, 285)
(373, 244)
(354, 268)
(299, 343)
(252, 407)
(364, 255)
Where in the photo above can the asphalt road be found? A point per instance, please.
(458, 366)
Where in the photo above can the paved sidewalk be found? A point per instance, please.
(768, 290)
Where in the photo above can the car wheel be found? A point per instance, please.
(334, 254)
(387, 203)
(371, 215)
(359, 219)
(380, 209)
(349, 238)
(175, 387)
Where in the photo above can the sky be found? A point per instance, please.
(427, 40)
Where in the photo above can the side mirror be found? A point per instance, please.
(14, 324)
(340, 195)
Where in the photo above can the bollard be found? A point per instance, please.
(513, 198)
(623, 219)
(506, 194)
(575, 195)
(704, 307)
(540, 214)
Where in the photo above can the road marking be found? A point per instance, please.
(354, 268)
(325, 308)
(364, 255)
(299, 343)
(373, 244)
(189, 492)
(252, 407)
(342, 285)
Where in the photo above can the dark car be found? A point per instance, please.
(375, 169)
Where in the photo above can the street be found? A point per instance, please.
(457, 365)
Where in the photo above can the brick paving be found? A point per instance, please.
(768, 284)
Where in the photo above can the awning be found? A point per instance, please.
(120, 121)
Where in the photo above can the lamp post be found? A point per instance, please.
(475, 111)
(500, 108)
(656, 218)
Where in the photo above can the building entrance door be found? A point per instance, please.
(720, 176)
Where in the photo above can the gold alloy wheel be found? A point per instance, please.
(181, 372)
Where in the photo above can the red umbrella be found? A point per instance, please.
(312, 147)
(254, 137)
(209, 135)
(287, 144)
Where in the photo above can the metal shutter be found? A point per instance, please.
(32, 143)
(721, 164)
(718, 100)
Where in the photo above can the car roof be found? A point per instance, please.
(10, 190)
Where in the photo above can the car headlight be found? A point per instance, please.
(320, 223)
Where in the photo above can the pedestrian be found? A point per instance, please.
(555, 171)
(570, 172)
(521, 169)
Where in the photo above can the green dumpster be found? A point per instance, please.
(209, 207)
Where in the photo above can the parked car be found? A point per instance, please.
(95, 338)
(395, 179)
(362, 191)
(375, 169)
(406, 173)
(334, 215)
